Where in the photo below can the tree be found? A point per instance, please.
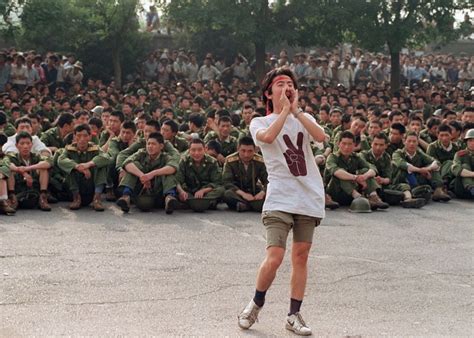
(103, 34)
(400, 23)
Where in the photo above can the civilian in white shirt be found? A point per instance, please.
(24, 124)
(295, 193)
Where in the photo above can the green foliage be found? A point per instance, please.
(97, 31)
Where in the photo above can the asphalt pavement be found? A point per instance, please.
(399, 272)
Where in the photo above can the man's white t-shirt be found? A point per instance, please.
(295, 184)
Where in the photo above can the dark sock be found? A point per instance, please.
(295, 306)
(259, 297)
(44, 191)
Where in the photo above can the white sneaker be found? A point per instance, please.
(296, 324)
(249, 315)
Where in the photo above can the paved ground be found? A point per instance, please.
(400, 272)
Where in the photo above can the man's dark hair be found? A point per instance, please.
(347, 134)
(224, 119)
(172, 124)
(46, 99)
(78, 114)
(22, 135)
(196, 119)
(267, 82)
(449, 112)
(81, 127)
(444, 128)
(214, 145)
(157, 136)
(129, 125)
(400, 127)
(410, 133)
(246, 141)
(393, 114)
(456, 125)
(22, 120)
(433, 121)
(154, 123)
(118, 114)
(64, 118)
(377, 122)
(95, 121)
(196, 141)
(381, 136)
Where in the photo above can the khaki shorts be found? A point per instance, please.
(279, 223)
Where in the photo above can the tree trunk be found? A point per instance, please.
(117, 68)
(395, 71)
(259, 61)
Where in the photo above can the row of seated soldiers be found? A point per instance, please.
(157, 166)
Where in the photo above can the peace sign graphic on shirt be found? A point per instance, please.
(295, 156)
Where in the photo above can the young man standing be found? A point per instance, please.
(295, 193)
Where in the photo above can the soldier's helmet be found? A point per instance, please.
(28, 199)
(422, 191)
(145, 202)
(469, 134)
(199, 204)
(360, 205)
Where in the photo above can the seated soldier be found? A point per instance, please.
(245, 177)
(214, 149)
(350, 176)
(395, 137)
(29, 179)
(5, 207)
(112, 129)
(228, 142)
(150, 171)
(199, 176)
(381, 160)
(414, 167)
(169, 130)
(357, 127)
(443, 150)
(430, 134)
(54, 138)
(463, 169)
(86, 167)
(151, 126)
(115, 146)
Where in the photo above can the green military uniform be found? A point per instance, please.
(251, 179)
(75, 181)
(443, 156)
(9, 129)
(20, 184)
(207, 175)
(229, 145)
(427, 137)
(161, 184)
(52, 138)
(392, 147)
(103, 138)
(463, 186)
(341, 190)
(180, 143)
(57, 179)
(383, 167)
(401, 160)
(140, 144)
(116, 145)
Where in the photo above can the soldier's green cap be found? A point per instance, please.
(392, 197)
(422, 191)
(28, 199)
(469, 134)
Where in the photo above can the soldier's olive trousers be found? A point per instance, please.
(161, 184)
(341, 190)
(435, 182)
(231, 198)
(112, 175)
(216, 195)
(445, 171)
(462, 186)
(77, 182)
